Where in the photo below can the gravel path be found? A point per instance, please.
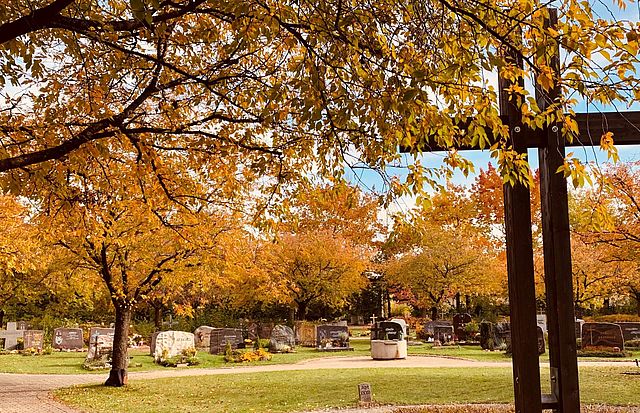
(21, 393)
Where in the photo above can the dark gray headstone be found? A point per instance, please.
(259, 330)
(429, 326)
(22, 325)
(630, 331)
(282, 339)
(332, 336)
(443, 334)
(606, 335)
(219, 337)
(68, 339)
(364, 393)
(33, 339)
(460, 321)
(388, 330)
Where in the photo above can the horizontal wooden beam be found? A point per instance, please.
(625, 127)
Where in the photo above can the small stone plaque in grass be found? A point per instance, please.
(364, 393)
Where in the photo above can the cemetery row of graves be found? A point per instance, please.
(389, 339)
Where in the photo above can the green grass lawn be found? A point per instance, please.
(71, 362)
(305, 390)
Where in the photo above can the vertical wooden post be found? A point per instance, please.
(557, 249)
(522, 300)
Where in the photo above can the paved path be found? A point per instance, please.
(24, 393)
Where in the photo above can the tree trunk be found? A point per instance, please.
(157, 316)
(302, 310)
(2, 318)
(458, 303)
(120, 356)
(636, 295)
(434, 313)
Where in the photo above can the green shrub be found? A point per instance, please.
(632, 344)
(596, 352)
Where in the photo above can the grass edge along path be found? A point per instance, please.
(295, 391)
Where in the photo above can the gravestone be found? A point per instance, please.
(502, 332)
(460, 321)
(494, 336)
(33, 339)
(443, 334)
(388, 330)
(100, 346)
(172, 343)
(541, 344)
(219, 338)
(364, 393)
(68, 339)
(202, 336)
(579, 324)
(541, 320)
(283, 339)
(486, 336)
(357, 320)
(606, 335)
(429, 327)
(101, 331)
(630, 331)
(332, 337)
(306, 334)
(22, 325)
(11, 336)
(259, 330)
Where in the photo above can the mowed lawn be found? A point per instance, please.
(71, 362)
(293, 391)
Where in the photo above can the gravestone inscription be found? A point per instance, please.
(33, 339)
(332, 336)
(443, 334)
(306, 334)
(606, 335)
(219, 338)
(630, 331)
(68, 338)
(283, 339)
(172, 343)
(388, 330)
(364, 393)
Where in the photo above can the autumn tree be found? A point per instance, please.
(440, 253)
(229, 94)
(607, 219)
(323, 246)
(23, 257)
(137, 242)
(316, 269)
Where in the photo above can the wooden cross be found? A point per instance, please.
(565, 396)
(11, 335)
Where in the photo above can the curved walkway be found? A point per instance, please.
(21, 393)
